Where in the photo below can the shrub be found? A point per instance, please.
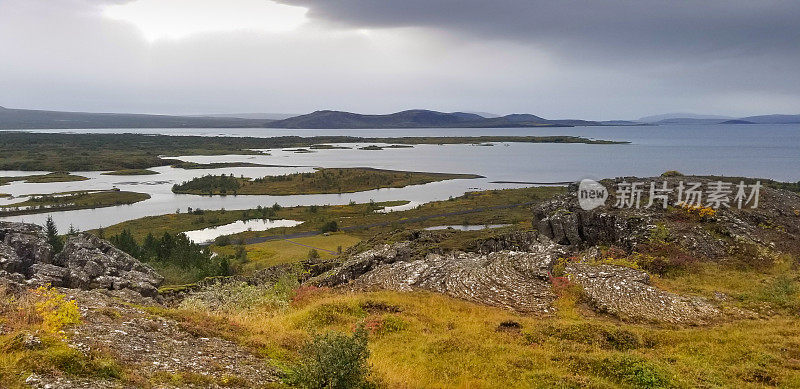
(672, 173)
(330, 226)
(56, 311)
(334, 360)
(223, 240)
(632, 370)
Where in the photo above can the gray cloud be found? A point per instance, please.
(582, 59)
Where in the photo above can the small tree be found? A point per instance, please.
(52, 235)
(313, 254)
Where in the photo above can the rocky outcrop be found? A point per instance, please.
(627, 294)
(509, 279)
(22, 245)
(563, 221)
(86, 262)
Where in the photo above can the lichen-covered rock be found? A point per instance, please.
(508, 279)
(47, 274)
(95, 263)
(28, 241)
(364, 262)
(626, 293)
(9, 260)
(86, 262)
(563, 221)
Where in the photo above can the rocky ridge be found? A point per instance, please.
(86, 262)
(516, 271)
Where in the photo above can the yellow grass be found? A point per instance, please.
(446, 343)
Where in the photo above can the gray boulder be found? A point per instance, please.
(627, 294)
(86, 262)
(28, 241)
(94, 262)
(44, 274)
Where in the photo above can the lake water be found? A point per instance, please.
(207, 235)
(768, 151)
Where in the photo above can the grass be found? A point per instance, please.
(130, 172)
(334, 180)
(84, 152)
(44, 178)
(428, 340)
(42, 314)
(276, 252)
(72, 201)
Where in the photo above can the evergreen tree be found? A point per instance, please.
(52, 235)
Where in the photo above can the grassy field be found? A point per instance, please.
(84, 152)
(334, 180)
(423, 339)
(72, 201)
(130, 172)
(44, 178)
(277, 252)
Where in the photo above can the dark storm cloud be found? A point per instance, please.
(643, 27)
(580, 59)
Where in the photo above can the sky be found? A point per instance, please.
(581, 59)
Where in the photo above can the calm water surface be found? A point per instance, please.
(769, 151)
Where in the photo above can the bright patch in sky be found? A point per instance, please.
(175, 19)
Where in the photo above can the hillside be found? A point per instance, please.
(416, 119)
(35, 119)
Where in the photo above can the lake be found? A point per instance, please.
(768, 151)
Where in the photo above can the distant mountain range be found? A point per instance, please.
(417, 118)
(32, 119)
(687, 118)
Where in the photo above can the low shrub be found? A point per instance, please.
(334, 360)
(631, 370)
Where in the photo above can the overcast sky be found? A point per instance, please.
(588, 59)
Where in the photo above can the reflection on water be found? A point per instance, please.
(467, 227)
(207, 235)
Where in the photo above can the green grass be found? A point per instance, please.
(72, 201)
(130, 172)
(334, 180)
(44, 178)
(277, 252)
(84, 152)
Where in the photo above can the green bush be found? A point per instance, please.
(334, 360)
(632, 370)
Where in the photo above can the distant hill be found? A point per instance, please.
(737, 121)
(682, 118)
(675, 117)
(23, 119)
(418, 118)
(689, 121)
(773, 119)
